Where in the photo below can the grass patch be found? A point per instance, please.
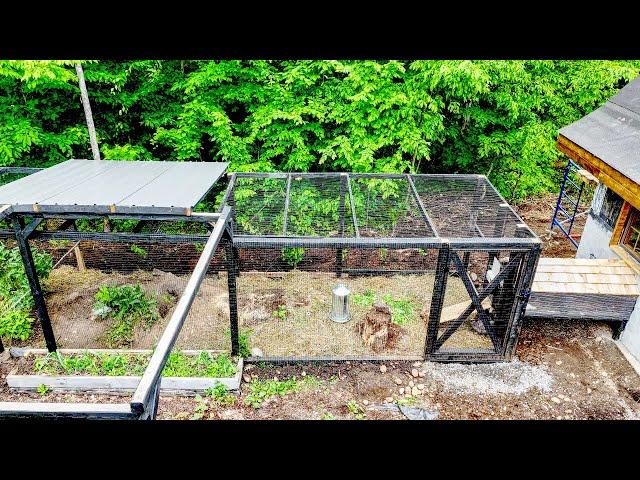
(402, 311)
(204, 364)
(261, 390)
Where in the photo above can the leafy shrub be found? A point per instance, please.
(293, 255)
(141, 252)
(127, 305)
(15, 324)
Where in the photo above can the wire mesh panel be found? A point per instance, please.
(120, 295)
(388, 207)
(285, 301)
(481, 289)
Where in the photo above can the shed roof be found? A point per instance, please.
(110, 186)
(612, 132)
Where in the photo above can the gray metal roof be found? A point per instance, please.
(612, 132)
(110, 186)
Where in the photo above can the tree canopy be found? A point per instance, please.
(497, 117)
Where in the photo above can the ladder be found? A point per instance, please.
(563, 216)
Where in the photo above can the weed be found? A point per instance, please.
(327, 416)
(141, 252)
(42, 389)
(281, 312)
(199, 247)
(57, 244)
(127, 305)
(408, 401)
(384, 254)
(292, 255)
(356, 410)
(220, 395)
(261, 390)
(201, 408)
(243, 341)
(366, 299)
(402, 311)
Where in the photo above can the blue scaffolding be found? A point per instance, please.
(567, 206)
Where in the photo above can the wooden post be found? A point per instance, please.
(78, 253)
(84, 97)
(34, 284)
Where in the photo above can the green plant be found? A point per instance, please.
(139, 251)
(365, 299)
(220, 395)
(199, 247)
(293, 255)
(243, 340)
(356, 410)
(408, 401)
(281, 312)
(57, 244)
(200, 409)
(126, 305)
(42, 389)
(402, 311)
(261, 390)
(16, 324)
(16, 301)
(327, 416)
(178, 364)
(384, 254)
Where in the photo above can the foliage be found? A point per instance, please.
(141, 252)
(15, 323)
(116, 364)
(402, 311)
(220, 395)
(243, 340)
(281, 312)
(293, 255)
(356, 410)
(126, 305)
(42, 389)
(16, 301)
(261, 390)
(498, 117)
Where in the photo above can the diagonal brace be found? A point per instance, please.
(479, 297)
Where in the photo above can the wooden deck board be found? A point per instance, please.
(585, 276)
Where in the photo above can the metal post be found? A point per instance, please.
(343, 188)
(437, 298)
(232, 268)
(287, 199)
(34, 284)
(354, 218)
(421, 207)
(523, 291)
(1, 346)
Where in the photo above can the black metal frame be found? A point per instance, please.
(519, 269)
(145, 399)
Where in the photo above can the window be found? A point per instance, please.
(631, 234)
(610, 209)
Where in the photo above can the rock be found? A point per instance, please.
(415, 391)
(275, 379)
(304, 374)
(411, 384)
(414, 413)
(383, 368)
(478, 326)
(474, 277)
(589, 390)
(246, 378)
(417, 364)
(365, 402)
(420, 386)
(421, 374)
(559, 362)
(401, 391)
(555, 400)
(388, 400)
(414, 373)
(398, 381)
(256, 352)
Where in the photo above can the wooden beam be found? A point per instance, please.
(609, 176)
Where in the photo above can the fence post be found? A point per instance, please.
(523, 291)
(437, 298)
(34, 284)
(232, 269)
(343, 189)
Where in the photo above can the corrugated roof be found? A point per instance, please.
(114, 186)
(612, 132)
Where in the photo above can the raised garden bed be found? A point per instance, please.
(119, 371)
